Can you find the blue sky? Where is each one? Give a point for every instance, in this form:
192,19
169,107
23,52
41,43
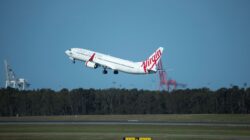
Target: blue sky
207,42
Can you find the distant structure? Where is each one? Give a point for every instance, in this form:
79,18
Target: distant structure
12,80
162,76
163,79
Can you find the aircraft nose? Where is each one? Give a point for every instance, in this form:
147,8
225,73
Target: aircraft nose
67,52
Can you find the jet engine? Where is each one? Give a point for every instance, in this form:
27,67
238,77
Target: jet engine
91,64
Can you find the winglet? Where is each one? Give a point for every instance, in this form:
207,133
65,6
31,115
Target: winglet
92,57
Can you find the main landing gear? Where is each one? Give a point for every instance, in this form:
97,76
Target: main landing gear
104,71
115,71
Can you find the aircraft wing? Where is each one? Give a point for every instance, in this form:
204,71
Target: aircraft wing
91,59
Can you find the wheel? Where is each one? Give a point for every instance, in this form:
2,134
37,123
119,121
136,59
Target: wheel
104,71
115,71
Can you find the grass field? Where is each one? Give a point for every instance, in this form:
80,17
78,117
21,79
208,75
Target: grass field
117,132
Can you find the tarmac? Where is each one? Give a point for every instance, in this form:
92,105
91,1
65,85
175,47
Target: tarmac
129,122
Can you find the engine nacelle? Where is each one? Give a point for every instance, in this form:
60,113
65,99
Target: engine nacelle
91,64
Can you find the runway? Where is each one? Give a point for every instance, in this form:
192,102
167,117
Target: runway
129,122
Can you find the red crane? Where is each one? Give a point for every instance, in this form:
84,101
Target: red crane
164,81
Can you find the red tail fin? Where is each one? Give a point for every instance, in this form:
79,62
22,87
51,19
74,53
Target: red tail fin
150,64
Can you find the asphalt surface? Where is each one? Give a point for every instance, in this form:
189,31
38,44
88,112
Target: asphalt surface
129,122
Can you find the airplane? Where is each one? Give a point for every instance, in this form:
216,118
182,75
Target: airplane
94,60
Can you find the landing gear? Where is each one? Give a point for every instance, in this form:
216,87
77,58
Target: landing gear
115,71
104,71
73,60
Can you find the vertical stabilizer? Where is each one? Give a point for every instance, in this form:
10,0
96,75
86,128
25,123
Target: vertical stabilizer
150,64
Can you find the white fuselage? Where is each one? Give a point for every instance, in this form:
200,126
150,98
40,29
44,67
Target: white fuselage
107,61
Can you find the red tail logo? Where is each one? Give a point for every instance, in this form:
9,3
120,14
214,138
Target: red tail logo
151,62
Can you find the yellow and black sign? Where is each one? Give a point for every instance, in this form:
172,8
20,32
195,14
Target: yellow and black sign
137,138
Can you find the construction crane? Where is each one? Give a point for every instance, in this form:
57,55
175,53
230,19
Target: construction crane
11,79
164,81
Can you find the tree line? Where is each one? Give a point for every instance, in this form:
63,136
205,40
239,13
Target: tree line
123,101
